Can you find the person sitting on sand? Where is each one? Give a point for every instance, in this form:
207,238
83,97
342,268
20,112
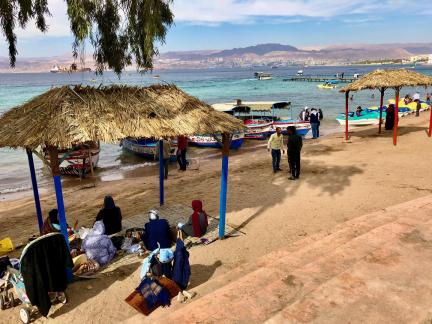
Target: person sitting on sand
156,231
51,223
198,221
111,216
97,245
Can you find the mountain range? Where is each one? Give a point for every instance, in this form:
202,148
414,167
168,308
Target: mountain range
261,54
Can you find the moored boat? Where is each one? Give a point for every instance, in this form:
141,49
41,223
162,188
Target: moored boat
79,160
302,127
366,119
257,129
146,148
263,76
215,141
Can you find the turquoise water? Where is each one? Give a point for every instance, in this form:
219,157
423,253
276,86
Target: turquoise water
209,85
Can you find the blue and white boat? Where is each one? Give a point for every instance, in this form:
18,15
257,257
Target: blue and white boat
302,127
146,148
215,141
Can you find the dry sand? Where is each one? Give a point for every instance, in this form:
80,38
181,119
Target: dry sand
339,181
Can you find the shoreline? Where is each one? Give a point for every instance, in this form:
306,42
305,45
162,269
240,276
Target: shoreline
139,168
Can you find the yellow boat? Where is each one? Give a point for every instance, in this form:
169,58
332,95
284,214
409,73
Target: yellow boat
6,246
326,86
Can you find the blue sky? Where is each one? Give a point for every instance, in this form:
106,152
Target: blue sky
220,24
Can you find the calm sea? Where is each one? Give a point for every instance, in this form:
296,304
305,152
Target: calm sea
211,85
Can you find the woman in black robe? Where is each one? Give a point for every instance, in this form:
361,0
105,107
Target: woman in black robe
111,216
389,121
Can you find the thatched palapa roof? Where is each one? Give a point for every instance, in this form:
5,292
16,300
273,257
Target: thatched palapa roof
66,115
389,79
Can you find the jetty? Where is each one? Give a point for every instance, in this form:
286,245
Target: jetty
320,78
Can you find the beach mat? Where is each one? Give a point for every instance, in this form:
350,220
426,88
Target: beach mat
178,213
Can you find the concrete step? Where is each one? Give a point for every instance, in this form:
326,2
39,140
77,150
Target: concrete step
266,289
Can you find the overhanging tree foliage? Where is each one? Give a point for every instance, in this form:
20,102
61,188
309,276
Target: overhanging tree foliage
120,31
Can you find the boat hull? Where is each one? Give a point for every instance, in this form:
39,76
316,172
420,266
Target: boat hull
302,128
211,142
258,131
146,148
77,162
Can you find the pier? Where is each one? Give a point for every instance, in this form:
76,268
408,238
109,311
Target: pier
320,78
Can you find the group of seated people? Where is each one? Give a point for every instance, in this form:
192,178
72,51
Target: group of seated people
97,244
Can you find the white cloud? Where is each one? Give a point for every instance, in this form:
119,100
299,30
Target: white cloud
245,11
215,12
58,23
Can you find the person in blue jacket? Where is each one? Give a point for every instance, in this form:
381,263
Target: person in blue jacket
156,231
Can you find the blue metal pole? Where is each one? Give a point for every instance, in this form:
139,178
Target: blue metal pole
35,189
55,169
223,196
161,174
224,184
61,208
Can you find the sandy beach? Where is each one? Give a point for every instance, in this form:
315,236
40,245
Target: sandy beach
339,181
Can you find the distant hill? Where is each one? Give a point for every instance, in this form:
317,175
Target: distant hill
261,54
261,49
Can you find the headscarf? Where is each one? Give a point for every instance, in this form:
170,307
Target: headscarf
197,207
109,203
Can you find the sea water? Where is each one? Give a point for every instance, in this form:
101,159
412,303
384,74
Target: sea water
210,85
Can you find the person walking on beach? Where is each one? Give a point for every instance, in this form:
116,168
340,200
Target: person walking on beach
275,145
166,154
418,107
294,146
182,143
315,122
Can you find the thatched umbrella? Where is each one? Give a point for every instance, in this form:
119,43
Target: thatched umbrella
66,115
382,80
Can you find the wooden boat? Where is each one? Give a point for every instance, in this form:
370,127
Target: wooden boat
263,76
215,142
78,161
302,127
146,148
258,129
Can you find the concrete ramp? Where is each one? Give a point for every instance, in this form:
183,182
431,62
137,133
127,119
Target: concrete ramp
376,268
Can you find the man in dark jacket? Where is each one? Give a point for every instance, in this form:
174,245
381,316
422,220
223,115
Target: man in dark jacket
314,122
156,231
294,146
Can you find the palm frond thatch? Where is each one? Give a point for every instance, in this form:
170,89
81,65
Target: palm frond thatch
389,79
66,115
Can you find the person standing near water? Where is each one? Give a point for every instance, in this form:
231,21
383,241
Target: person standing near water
275,145
182,143
294,146
314,121
166,154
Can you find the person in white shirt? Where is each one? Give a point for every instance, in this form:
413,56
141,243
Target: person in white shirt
275,145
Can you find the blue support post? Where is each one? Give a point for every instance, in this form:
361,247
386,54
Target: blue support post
223,196
224,184
61,208
55,170
161,174
35,189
